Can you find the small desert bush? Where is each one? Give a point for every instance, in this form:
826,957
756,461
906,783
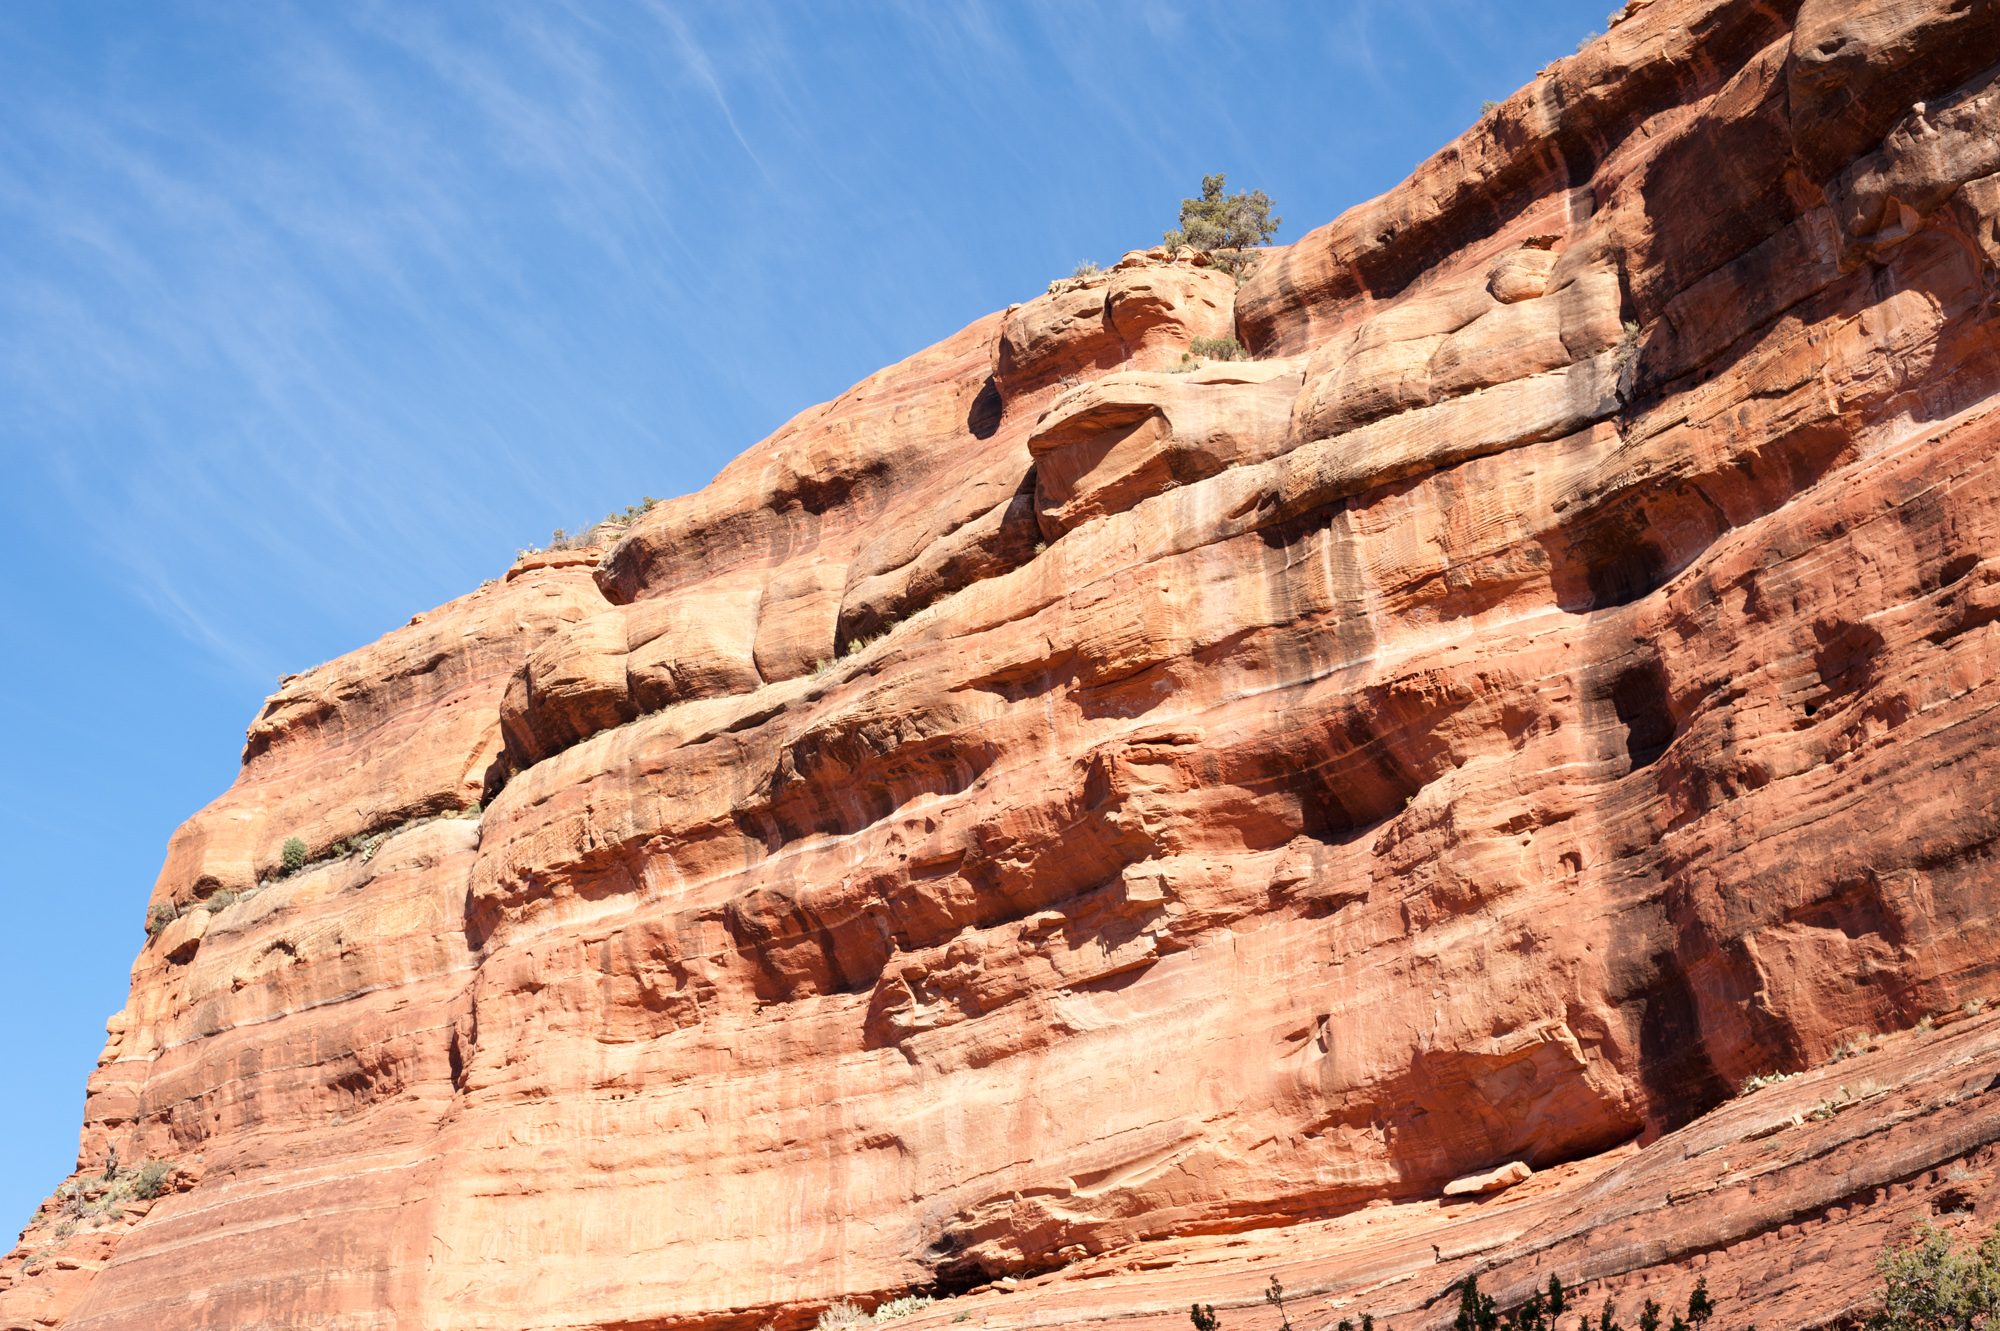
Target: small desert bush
292,856
842,1315
1852,1047
159,917
151,1180
610,525
1218,348
101,1200
845,1314
900,1307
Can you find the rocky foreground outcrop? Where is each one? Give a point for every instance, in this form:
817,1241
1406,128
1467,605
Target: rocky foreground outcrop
1071,828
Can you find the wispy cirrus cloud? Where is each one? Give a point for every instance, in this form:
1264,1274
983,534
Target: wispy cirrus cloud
346,301
220,293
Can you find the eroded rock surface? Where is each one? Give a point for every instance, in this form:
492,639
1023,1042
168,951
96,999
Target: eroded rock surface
1070,819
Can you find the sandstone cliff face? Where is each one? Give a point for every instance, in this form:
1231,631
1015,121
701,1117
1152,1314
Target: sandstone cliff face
1053,815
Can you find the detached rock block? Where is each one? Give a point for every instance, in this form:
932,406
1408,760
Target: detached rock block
1493,1180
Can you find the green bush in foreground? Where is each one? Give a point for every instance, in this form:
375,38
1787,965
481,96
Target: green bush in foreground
1934,1284
293,855
1477,1312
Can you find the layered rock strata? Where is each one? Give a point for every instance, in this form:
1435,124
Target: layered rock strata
1066,811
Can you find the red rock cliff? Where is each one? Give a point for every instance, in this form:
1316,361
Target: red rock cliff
1074,833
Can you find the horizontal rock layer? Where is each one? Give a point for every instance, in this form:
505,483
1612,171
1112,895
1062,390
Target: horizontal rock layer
1068,811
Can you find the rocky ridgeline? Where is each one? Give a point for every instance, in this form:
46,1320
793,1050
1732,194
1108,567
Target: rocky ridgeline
1072,829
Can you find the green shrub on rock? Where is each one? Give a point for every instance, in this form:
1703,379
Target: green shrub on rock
1223,226
159,917
151,1180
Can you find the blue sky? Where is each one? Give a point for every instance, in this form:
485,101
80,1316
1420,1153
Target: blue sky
312,314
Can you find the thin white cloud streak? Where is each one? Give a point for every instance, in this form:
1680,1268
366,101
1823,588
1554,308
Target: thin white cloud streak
573,138
248,269
405,181
696,61
1352,44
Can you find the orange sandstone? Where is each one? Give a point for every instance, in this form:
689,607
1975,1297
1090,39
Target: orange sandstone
1080,836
